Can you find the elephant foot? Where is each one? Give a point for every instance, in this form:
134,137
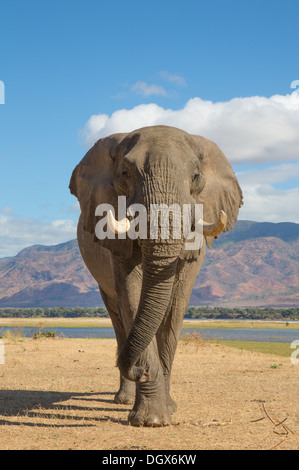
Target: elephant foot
126,393
123,398
150,413
150,409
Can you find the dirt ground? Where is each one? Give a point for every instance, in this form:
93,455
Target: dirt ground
57,393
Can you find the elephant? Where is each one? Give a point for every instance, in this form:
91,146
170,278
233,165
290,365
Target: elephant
146,283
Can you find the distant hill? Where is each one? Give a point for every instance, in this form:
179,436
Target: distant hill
246,230
47,276
262,271
256,264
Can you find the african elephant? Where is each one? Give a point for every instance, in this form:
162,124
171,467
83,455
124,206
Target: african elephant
146,283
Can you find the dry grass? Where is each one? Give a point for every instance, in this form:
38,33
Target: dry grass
58,394
95,322
39,322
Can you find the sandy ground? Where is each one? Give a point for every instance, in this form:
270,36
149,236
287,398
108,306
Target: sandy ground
58,394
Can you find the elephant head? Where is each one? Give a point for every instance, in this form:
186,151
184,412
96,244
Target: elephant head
153,166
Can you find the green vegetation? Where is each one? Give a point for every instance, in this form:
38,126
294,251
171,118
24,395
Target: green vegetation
276,349
207,313
236,313
54,312
44,334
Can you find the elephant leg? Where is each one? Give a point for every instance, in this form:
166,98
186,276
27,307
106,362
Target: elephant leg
127,389
170,329
150,407
99,263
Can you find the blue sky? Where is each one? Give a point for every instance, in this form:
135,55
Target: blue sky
74,71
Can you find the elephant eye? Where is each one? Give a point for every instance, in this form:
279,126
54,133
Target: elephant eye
125,173
198,182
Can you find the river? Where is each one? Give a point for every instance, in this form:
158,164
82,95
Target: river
242,334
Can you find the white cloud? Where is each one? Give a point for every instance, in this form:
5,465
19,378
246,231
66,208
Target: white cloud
18,233
100,125
7,210
264,203
255,129
144,89
172,78
249,130
271,175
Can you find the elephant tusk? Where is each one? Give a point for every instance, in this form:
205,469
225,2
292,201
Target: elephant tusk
123,226
212,230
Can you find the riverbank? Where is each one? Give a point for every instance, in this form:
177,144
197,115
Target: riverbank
106,323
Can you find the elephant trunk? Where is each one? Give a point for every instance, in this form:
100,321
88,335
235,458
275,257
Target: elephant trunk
159,268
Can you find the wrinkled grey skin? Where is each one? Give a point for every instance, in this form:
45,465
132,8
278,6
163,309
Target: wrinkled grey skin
146,284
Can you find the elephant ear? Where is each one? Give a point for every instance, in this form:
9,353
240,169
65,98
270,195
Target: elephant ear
92,184
221,190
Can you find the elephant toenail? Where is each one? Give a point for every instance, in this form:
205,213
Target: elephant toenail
153,421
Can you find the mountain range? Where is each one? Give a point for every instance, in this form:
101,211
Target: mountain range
256,264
